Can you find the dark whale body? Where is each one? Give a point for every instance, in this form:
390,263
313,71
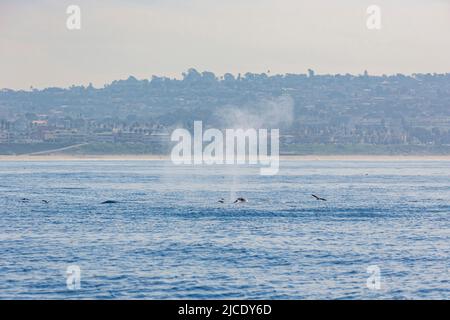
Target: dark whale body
109,202
240,200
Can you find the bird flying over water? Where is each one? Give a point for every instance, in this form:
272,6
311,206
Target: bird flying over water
240,200
222,200
318,198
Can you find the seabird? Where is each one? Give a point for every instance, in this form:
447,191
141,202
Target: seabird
239,200
222,200
318,198
24,200
45,201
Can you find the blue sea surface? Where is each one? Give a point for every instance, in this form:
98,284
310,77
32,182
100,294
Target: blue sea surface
169,238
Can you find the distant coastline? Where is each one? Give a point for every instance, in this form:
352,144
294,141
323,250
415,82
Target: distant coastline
62,157
295,152
327,114
100,150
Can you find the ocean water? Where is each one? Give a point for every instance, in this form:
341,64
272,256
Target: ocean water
169,238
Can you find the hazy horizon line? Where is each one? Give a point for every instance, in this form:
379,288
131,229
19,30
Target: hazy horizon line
219,77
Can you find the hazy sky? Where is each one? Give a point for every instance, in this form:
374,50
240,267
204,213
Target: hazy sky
119,38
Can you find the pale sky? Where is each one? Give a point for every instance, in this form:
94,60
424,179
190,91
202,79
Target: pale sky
142,38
